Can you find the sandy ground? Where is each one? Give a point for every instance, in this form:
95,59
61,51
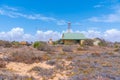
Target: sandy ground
23,69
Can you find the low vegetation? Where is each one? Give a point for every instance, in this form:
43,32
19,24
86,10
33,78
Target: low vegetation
25,55
41,61
42,46
15,44
38,44
67,48
88,42
2,64
5,44
103,43
9,75
46,73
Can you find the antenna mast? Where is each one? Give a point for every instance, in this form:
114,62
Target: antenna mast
69,26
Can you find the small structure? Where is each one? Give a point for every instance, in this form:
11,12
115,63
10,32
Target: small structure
96,41
24,43
73,38
50,42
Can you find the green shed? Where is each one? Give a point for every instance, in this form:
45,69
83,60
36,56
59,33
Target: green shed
73,38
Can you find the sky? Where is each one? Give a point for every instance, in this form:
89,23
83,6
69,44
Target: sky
33,20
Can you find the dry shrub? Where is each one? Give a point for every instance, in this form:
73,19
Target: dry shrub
60,67
116,49
49,48
117,45
88,42
25,56
96,54
45,57
67,49
69,58
80,48
7,75
110,53
15,44
2,64
51,62
42,46
46,73
5,44
103,43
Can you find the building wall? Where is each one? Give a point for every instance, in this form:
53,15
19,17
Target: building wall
73,42
82,42
68,41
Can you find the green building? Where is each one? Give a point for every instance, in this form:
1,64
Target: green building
73,38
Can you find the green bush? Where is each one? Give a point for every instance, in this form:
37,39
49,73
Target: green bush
55,43
15,44
38,44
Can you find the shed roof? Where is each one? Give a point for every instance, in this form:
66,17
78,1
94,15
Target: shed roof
73,36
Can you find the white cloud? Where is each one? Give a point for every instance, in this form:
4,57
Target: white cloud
106,18
45,36
92,34
14,13
18,34
10,8
112,35
109,35
15,34
61,22
112,17
39,17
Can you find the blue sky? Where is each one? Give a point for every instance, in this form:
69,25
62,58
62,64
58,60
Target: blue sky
41,18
